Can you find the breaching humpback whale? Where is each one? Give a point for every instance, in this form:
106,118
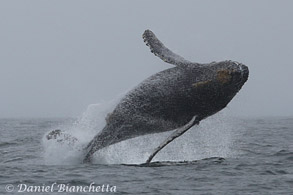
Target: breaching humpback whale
173,99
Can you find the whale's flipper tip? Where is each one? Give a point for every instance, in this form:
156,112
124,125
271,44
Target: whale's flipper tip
159,49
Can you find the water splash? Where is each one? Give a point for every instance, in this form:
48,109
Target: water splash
83,129
213,137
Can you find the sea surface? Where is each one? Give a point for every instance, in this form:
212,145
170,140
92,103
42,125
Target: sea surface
223,155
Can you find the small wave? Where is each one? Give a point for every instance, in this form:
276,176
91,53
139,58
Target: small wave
274,172
3,144
283,153
290,158
13,160
288,155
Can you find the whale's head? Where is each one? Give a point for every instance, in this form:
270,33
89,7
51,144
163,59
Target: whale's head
229,74
215,84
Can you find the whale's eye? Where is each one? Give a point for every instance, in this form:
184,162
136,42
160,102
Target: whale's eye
224,76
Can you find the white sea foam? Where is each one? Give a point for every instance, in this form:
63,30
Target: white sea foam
83,129
213,137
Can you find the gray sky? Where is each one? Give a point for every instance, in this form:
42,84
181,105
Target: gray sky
57,57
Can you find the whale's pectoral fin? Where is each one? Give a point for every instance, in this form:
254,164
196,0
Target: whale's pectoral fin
178,132
159,49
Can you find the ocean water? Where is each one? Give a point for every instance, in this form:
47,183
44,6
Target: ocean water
223,155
